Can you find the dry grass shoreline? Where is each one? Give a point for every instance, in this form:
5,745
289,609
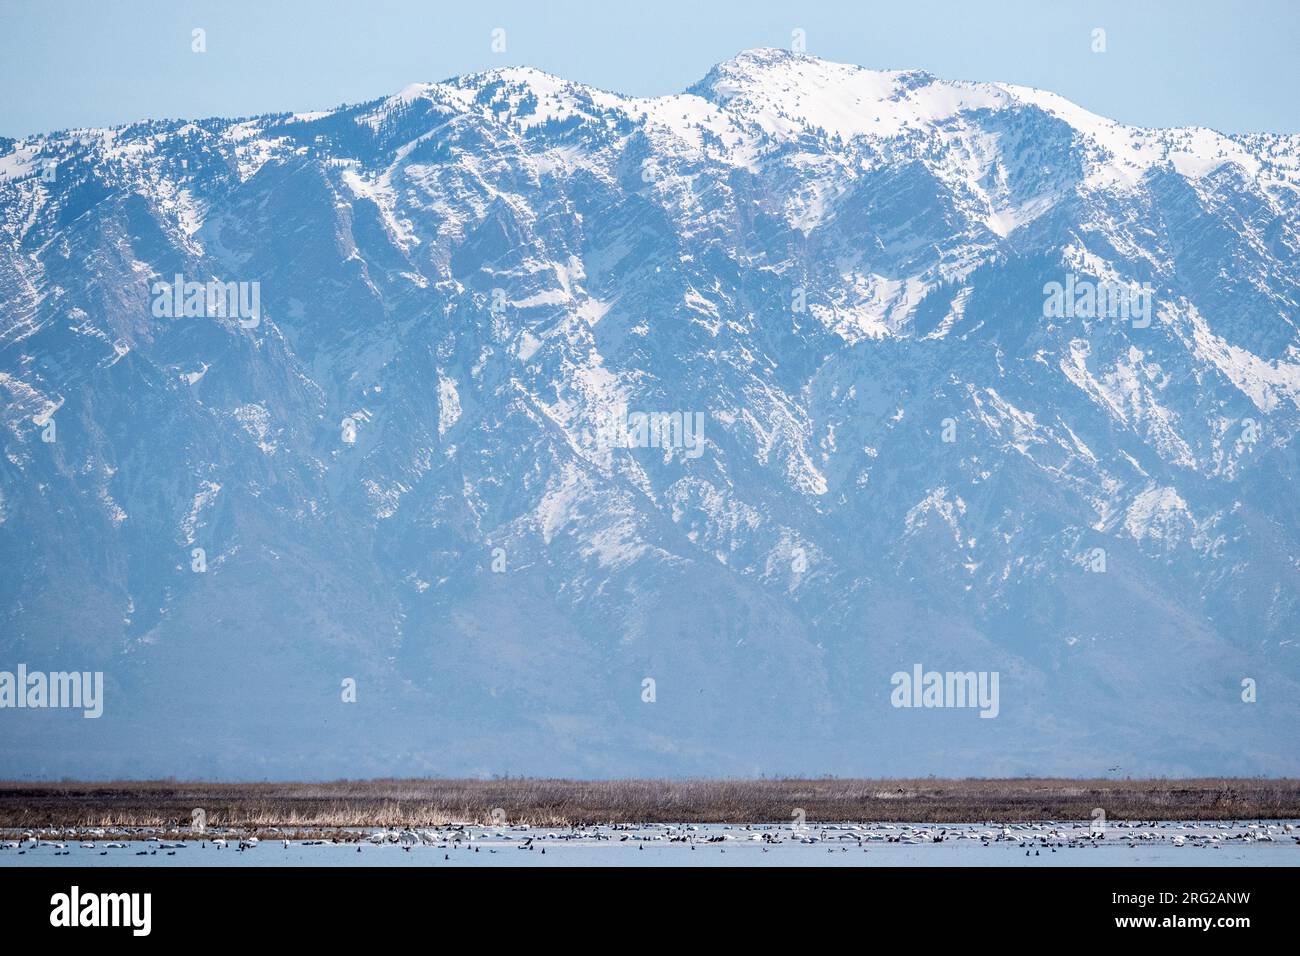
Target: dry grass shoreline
321,807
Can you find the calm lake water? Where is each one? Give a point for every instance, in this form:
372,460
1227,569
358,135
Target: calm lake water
1042,844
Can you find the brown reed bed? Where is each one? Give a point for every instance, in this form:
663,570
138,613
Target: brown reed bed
314,807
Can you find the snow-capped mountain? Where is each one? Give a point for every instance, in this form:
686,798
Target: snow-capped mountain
415,456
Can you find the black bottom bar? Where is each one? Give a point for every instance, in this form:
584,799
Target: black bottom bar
330,905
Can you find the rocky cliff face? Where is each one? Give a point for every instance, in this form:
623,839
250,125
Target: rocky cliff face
763,392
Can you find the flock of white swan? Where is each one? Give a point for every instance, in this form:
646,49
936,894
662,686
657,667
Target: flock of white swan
1035,839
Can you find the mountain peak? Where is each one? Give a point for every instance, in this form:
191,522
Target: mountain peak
401,447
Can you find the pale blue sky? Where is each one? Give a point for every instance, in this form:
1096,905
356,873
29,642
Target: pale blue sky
66,63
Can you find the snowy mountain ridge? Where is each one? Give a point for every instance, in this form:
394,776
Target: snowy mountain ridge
857,437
